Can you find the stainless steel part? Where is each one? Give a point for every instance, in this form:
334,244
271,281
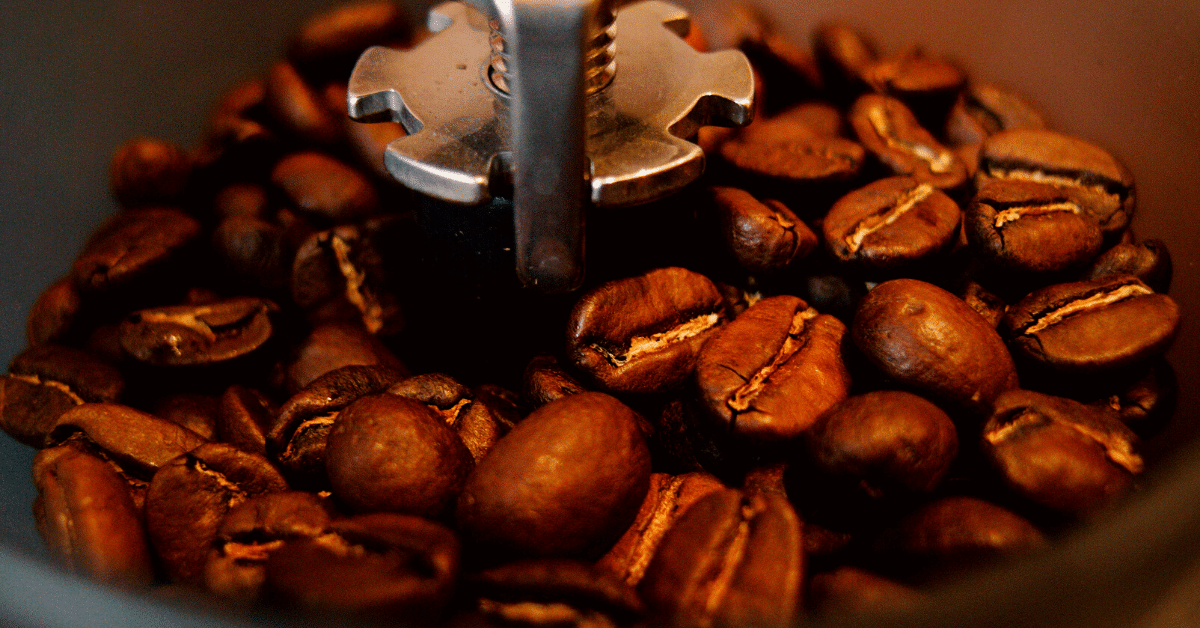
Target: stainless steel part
469,140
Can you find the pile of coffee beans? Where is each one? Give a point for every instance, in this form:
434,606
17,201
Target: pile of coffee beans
899,329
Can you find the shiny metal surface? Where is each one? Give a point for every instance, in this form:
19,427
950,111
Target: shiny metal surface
471,141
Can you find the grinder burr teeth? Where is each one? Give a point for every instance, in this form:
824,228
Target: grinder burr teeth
557,105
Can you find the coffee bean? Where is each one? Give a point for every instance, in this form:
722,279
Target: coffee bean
761,236
236,565
642,334
988,305
88,519
244,416
794,164
1096,327
1059,453
327,45
1148,260
927,339
728,561
325,188
188,335
149,172
1147,404
854,590
545,381
341,269
1103,186
55,315
555,591
197,412
985,109
567,481
331,346
928,85
255,253
45,381
669,497
299,109
473,421
892,225
376,567
892,134
190,496
767,375
1027,228
135,250
844,55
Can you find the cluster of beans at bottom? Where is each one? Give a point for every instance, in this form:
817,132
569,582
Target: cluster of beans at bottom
899,329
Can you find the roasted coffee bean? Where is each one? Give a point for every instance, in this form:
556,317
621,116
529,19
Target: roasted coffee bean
891,225
381,566
244,416
890,132
642,334
1028,228
324,187
728,561
327,45
237,562
1148,260
925,338
474,422
669,497
545,380
331,346
1060,454
788,161
148,172
551,592
683,443
761,236
928,85
985,109
298,437
1095,327
767,375
254,251
988,305
45,381
843,55
817,115
765,479
242,199
88,519
567,481
134,248
883,445
504,404
197,412
1102,185
55,315
954,533
833,294
853,590
298,109
387,453
190,496
1147,404
237,145
187,335
341,269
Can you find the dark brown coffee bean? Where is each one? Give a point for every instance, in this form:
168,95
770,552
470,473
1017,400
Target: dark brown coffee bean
927,339
324,187
955,533
190,496
1102,185
474,422
984,110
251,532
387,453
45,381
817,115
843,55
55,315
331,346
328,44
255,253
1059,453
187,335
642,334
88,519
767,375
297,439
761,236
928,85
298,109
890,132
853,590
1028,228
1098,326
669,497
988,305
545,380
195,411
237,147
382,566
146,172
833,294
728,561
785,159
342,265
766,479
1147,404
1149,261
504,404
244,416
883,445
135,247
242,199
551,592
567,481
891,225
